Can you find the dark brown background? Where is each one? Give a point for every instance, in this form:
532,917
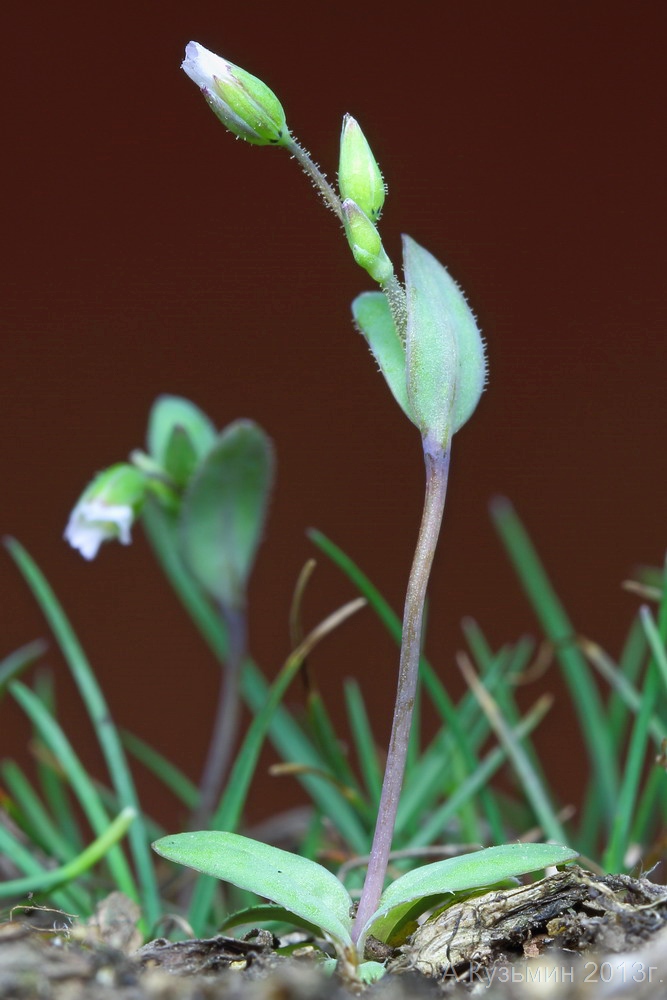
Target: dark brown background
147,251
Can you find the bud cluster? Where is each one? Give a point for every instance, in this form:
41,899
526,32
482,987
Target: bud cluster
424,336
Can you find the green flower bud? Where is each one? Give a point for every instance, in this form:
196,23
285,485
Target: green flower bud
107,509
244,104
365,243
359,176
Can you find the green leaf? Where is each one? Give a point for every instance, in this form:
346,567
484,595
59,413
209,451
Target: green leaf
370,972
372,316
179,435
470,871
180,457
264,913
445,362
299,885
223,511
74,869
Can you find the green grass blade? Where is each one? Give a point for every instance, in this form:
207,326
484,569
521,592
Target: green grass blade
654,683
632,659
49,881
169,775
560,631
12,666
627,693
83,787
365,746
433,829
650,809
532,784
456,717
375,599
293,745
32,816
23,858
656,638
329,746
55,789
56,795
614,855
228,813
101,719
285,734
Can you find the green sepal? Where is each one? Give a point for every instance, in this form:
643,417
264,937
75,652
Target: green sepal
179,435
224,509
254,104
365,243
445,361
372,316
295,883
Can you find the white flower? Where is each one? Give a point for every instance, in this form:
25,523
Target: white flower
94,522
203,66
107,509
244,104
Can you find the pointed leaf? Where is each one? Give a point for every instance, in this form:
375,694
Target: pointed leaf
372,315
445,363
224,508
181,456
299,885
470,871
170,414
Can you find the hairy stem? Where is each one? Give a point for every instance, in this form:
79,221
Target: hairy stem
226,723
392,288
311,169
437,466
395,295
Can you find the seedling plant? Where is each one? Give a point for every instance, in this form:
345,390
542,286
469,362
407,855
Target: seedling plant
202,496
425,340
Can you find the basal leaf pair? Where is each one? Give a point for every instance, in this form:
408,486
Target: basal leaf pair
316,898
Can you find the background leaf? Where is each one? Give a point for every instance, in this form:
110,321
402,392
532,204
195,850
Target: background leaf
174,415
224,510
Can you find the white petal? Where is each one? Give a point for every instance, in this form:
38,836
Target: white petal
92,523
202,65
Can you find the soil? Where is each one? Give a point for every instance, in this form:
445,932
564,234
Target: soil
571,935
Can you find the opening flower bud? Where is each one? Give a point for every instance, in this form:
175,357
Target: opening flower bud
365,243
244,104
107,509
359,176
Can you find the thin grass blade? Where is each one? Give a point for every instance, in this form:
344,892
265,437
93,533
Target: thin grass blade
100,717
53,879
12,666
560,631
